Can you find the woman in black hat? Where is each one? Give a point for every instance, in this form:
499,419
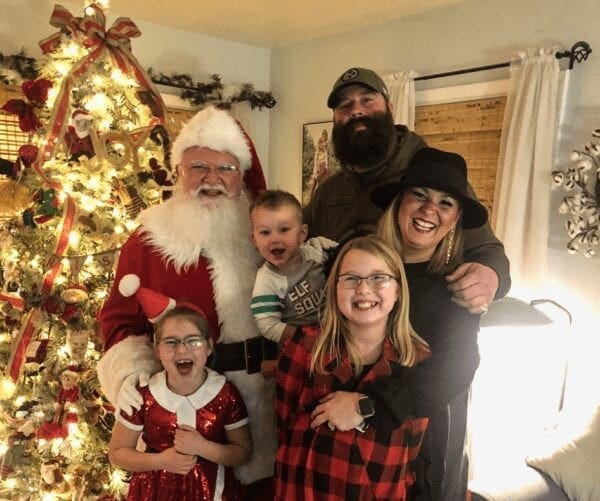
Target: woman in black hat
426,212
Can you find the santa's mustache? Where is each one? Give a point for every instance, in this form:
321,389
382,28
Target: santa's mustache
219,188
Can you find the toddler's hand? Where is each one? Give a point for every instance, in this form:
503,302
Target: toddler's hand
268,368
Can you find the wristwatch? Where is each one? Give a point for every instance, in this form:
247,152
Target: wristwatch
365,407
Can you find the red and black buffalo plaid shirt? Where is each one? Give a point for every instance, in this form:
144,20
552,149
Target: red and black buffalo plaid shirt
322,464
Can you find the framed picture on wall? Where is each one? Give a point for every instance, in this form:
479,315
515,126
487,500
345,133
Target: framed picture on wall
318,159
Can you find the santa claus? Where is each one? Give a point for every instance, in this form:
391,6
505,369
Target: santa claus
196,247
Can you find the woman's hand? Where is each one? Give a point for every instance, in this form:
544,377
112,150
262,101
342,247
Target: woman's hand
339,410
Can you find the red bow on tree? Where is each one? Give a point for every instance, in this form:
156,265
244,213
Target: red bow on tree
36,91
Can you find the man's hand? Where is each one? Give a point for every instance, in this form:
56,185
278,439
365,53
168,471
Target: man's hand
473,286
175,462
339,410
128,397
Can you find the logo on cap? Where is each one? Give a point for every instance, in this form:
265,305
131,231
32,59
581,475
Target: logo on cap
351,74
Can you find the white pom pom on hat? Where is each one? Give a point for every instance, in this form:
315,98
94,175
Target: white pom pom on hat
215,129
154,303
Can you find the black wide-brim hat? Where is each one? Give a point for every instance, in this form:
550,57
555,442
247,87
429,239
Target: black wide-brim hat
441,170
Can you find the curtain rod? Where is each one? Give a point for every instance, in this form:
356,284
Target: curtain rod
579,52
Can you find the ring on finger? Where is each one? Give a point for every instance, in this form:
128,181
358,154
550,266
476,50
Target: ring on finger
331,426
484,308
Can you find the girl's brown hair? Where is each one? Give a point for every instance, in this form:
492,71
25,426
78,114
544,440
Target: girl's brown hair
184,313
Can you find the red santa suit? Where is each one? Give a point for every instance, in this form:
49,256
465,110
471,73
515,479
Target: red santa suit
194,261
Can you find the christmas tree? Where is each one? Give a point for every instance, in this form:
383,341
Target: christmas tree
96,156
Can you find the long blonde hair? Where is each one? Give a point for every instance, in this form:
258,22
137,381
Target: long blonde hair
442,261
334,328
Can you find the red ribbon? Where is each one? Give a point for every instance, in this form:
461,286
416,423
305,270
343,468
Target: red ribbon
14,300
67,23
20,344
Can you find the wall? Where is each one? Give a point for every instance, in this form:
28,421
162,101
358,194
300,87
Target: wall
469,34
24,22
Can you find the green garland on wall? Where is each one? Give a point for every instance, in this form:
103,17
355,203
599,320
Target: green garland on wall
16,68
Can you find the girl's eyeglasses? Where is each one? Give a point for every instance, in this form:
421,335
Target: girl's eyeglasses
190,342
374,281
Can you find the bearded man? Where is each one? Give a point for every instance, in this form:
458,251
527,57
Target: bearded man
196,247
374,152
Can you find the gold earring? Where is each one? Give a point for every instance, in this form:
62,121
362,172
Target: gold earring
450,245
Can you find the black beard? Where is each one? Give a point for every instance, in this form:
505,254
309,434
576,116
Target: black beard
367,147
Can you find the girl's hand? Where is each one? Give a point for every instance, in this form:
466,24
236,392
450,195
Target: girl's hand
188,440
338,409
175,462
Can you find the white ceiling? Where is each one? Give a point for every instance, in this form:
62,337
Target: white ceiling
271,23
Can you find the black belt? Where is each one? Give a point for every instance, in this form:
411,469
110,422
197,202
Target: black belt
244,355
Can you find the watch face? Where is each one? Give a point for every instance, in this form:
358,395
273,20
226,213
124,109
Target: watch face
365,406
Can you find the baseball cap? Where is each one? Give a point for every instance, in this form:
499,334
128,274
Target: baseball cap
357,76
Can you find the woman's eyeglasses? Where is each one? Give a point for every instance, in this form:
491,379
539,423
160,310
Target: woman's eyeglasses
192,343
374,281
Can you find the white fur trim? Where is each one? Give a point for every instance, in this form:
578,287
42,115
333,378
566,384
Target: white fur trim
215,129
259,395
222,235
132,355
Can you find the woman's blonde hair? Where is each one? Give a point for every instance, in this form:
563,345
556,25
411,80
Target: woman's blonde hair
442,261
334,328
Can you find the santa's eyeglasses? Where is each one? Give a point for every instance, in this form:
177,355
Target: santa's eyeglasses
201,169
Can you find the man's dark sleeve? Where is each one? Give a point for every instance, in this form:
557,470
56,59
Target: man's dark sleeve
482,246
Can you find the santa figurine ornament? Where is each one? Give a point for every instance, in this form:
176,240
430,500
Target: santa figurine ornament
78,136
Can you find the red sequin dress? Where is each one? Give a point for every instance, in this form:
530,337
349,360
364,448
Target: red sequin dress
216,407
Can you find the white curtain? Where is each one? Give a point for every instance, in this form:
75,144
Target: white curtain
522,196
401,86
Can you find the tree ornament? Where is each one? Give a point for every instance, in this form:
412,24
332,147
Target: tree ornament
14,197
74,293
77,341
78,137
129,198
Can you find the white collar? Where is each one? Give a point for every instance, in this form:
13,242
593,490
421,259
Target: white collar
170,401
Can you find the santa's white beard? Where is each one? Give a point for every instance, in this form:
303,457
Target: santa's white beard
186,226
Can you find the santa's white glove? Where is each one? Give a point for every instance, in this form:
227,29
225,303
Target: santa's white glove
128,397
321,243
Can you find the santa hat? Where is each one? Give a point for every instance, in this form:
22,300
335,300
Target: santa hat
218,130
80,113
154,304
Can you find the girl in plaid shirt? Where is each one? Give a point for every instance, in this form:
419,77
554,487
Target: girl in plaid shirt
365,333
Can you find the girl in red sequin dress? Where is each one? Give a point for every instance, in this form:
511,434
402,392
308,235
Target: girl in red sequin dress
193,421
